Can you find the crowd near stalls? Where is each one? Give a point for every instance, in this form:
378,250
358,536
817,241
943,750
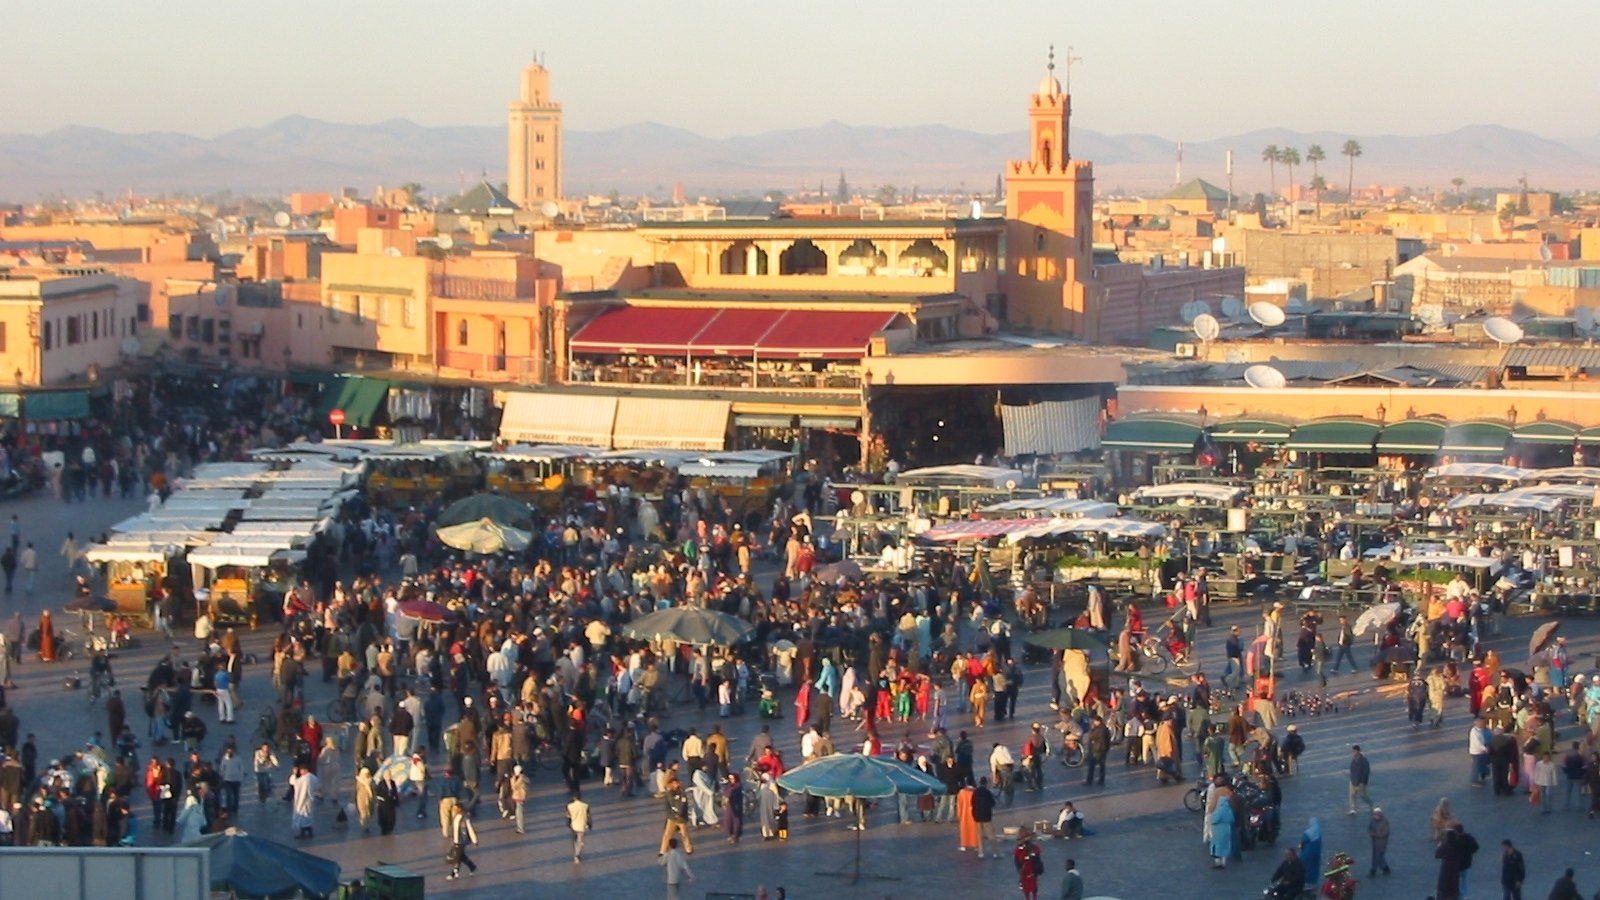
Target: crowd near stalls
482,613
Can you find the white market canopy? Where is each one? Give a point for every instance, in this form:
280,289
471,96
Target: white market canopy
1189,490
1449,560
1477,472
965,475
544,453
1023,529
1579,474
1055,506
1509,500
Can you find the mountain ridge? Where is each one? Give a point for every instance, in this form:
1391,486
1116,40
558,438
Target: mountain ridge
298,152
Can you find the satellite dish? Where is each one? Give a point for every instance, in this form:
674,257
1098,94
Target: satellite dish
1263,377
1201,307
1232,307
1266,314
1187,313
1585,317
1502,330
393,251
1206,327
1169,210
1449,249
444,242
281,219
1544,252
130,345
549,209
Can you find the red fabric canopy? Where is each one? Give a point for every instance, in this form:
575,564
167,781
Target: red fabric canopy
735,332
823,334
642,329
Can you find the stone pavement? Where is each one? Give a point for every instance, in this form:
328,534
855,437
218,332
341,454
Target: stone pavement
1145,844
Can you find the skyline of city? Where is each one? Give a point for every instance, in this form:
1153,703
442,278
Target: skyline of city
1307,69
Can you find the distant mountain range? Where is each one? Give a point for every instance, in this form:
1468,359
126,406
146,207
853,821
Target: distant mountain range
299,153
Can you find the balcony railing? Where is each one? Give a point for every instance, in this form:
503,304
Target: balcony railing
726,379
512,368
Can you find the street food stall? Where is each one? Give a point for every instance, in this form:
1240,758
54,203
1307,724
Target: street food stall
406,474
541,475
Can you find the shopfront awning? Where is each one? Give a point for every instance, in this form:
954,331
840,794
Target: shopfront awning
1251,431
635,330
1549,431
1476,438
1412,436
1051,426
1335,436
672,424
542,418
1151,435
53,405
823,334
359,397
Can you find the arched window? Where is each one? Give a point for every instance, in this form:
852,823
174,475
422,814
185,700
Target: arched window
743,258
924,257
862,258
803,258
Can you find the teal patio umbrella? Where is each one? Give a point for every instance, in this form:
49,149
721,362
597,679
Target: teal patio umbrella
855,776
497,508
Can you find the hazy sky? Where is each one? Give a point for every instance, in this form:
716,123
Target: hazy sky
723,67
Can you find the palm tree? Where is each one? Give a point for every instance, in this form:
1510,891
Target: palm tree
1270,157
1290,157
1315,155
1458,183
1318,185
1350,150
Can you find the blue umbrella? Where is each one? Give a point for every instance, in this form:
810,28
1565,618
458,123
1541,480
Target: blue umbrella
855,776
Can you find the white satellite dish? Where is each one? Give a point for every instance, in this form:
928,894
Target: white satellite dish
1263,377
1206,327
1502,330
549,209
1476,238
1585,318
1187,313
393,251
1232,307
444,242
1544,252
281,219
130,346
1266,314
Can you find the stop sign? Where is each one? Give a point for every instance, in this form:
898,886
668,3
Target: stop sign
335,417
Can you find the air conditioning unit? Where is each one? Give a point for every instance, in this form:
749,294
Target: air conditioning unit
1185,351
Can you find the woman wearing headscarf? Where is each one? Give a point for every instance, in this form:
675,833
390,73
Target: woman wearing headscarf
767,803
704,794
1221,821
733,808
1311,851
192,821
1441,820
365,798
302,794
47,638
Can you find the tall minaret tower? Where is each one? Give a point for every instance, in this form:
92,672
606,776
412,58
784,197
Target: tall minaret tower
1049,222
533,158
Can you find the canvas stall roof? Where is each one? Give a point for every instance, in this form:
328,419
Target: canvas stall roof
1055,506
1476,472
961,474
1213,493
1509,500
1449,559
542,453
1151,434
1583,474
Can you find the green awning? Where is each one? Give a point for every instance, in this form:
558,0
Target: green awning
1476,438
10,405
1412,436
46,407
1148,435
1335,436
1590,437
366,398
1549,431
358,397
1251,431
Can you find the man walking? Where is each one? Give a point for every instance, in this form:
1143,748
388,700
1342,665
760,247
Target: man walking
1097,745
1378,831
1478,738
579,821
1072,882
1346,639
983,815
1512,870
677,825
1360,774
1234,649
30,567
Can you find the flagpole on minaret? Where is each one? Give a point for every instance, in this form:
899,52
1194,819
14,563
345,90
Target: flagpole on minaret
1178,172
